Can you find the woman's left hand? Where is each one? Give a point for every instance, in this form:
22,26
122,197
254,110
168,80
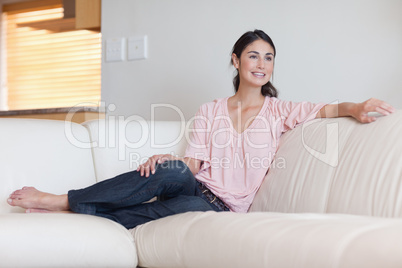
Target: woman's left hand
148,167
360,110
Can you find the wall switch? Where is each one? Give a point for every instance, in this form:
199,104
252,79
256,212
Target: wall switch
137,48
115,49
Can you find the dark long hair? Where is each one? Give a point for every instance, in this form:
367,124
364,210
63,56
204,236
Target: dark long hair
246,39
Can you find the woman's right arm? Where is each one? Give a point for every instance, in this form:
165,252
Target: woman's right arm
149,166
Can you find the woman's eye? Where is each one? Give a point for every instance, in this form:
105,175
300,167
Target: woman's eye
253,57
268,58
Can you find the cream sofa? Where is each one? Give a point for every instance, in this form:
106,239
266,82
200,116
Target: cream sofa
332,198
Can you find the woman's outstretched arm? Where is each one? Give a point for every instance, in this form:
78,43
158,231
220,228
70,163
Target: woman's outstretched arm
359,111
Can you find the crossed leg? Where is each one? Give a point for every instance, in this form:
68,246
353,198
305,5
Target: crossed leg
122,198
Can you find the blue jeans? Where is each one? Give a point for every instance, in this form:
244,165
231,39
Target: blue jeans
122,198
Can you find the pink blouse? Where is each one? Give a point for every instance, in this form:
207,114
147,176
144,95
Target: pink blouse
235,164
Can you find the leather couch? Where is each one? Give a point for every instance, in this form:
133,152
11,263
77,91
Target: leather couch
332,198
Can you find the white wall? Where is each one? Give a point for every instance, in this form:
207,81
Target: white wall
346,50
327,50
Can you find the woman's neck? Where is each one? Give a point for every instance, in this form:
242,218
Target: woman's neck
248,96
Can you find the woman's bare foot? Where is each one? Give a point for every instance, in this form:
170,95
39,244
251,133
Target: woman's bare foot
31,198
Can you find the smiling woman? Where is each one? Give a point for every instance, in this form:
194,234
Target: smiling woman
233,143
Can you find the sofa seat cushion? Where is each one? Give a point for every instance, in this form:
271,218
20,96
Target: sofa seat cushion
64,240
264,239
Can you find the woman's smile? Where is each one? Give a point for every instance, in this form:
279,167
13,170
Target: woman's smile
258,74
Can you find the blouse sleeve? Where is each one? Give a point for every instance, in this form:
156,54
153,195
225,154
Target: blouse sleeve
198,139
295,113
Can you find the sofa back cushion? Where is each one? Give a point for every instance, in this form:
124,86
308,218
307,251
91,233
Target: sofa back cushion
52,156
121,145
337,166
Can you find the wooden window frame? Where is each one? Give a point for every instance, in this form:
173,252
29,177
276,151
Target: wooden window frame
28,7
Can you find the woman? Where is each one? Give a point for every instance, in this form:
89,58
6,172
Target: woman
233,142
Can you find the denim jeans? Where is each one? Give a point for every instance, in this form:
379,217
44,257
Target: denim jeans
122,198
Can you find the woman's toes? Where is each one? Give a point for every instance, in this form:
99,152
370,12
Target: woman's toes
13,201
16,193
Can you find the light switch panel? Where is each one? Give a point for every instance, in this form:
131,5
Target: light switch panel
115,49
137,48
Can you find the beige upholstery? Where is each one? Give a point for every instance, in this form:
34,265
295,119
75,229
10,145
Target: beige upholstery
324,172
120,146
64,240
365,179
47,154
261,239
55,157
327,166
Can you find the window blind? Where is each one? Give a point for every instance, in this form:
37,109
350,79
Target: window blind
49,64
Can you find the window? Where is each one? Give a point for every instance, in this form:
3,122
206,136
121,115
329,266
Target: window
48,62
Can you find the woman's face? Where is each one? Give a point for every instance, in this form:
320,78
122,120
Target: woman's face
256,64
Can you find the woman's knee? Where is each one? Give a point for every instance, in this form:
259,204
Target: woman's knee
173,178
177,169
173,165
